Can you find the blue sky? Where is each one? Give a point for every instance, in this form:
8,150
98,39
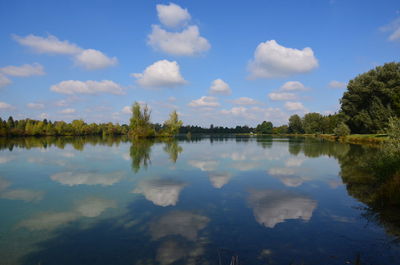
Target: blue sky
223,62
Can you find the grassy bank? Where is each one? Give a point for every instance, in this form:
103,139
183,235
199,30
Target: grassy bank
371,139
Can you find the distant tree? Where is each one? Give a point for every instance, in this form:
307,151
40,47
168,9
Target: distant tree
295,124
265,127
173,124
312,123
371,98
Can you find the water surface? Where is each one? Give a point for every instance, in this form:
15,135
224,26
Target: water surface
190,201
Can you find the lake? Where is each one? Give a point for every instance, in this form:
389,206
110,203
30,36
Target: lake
191,201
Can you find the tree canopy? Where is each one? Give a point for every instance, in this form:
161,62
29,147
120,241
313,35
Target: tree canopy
371,98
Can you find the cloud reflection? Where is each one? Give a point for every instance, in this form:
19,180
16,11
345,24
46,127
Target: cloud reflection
218,180
271,207
90,207
204,165
185,224
162,192
70,178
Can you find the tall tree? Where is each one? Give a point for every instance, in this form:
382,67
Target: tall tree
140,125
371,98
295,124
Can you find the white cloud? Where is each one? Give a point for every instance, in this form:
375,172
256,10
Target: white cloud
44,116
6,106
293,106
172,15
35,105
272,60
186,43
282,96
127,110
93,59
51,44
219,86
238,111
162,192
204,101
245,101
67,111
89,59
162,73
337,84
87,87
293,86
4,81
394,28
23,70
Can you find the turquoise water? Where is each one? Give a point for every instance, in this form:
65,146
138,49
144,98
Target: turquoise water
190,201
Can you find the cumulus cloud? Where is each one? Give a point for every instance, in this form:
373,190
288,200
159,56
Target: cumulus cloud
93,59
51,44
162,192
204,101
239,111
89,59
185,43
23,70
67,111
293,86
173,251
127,110
172,15
185,224
6,106
160,74
71,87
218,180
276,96
35,105
90,208
271,207
272,60
295,106
394,29
245,101
88,178
337,84
294,161
219,86
4,81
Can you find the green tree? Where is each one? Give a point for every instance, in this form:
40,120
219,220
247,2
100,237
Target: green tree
140,125
295,124
313,123
173,124
265,127
371,98
342,130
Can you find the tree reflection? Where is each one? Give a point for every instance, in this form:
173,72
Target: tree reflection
371,175
140,153
173,149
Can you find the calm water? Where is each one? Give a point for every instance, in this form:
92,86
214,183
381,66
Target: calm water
112,201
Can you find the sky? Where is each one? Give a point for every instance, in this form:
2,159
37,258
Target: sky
225,63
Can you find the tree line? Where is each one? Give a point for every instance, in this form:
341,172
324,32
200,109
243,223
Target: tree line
371,101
